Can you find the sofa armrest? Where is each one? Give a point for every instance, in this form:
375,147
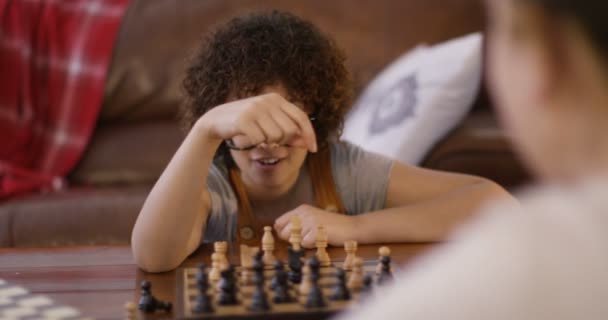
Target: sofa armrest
480,147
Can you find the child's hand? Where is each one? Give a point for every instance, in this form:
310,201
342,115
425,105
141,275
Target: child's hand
339,227
267,118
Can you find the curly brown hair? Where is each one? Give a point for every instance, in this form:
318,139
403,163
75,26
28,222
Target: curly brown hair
269,48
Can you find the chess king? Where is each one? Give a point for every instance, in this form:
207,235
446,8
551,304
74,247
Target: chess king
266,98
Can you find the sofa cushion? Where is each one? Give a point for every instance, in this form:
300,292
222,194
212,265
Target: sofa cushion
417,99
479,146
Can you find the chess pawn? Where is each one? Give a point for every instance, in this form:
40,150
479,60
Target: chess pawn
350,247
268,248
148,303
227,287
247,254
315,298
259,300
202,302
295,233
221,248
306,283
130,311
214,273
355,282
321,244
382,252
340,292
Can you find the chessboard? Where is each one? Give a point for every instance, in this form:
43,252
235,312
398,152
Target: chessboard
17,303
187,292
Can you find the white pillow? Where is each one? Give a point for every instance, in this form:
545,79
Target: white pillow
417,99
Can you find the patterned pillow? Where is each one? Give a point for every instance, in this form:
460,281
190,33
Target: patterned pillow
417,99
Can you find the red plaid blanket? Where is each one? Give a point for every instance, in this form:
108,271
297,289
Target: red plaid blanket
54,55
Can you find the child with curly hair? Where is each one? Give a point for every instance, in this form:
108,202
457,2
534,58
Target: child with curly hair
267,96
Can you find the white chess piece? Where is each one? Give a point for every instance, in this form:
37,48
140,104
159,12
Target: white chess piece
130,311
355,282
295,233
321,244
350,247
306,283
268,248
214,273
247,263
221,248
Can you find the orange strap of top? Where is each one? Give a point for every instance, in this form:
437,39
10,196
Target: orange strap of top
324,188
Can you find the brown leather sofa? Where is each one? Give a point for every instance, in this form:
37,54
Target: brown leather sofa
138,131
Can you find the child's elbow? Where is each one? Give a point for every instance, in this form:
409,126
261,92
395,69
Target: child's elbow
493,192
150,263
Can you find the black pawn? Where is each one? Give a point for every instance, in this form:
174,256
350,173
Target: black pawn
279,285
315,296
368,282
148,303
341,292
227,287
202,303
385,273
295,265
259,300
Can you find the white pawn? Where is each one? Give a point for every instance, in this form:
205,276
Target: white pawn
221,248
130,311
321,244
214,273
382,252
295,233
268,248
350,247
355,282
306,283
247,253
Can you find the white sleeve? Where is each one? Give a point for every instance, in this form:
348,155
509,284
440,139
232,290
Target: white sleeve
548,261
475,277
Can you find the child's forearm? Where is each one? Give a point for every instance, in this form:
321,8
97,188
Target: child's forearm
429,220
172,217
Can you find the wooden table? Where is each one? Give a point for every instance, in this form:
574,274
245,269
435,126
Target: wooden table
100,280
96,280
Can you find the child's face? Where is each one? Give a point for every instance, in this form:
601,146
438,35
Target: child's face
260,175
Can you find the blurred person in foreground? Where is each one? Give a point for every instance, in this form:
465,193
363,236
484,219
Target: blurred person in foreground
548,259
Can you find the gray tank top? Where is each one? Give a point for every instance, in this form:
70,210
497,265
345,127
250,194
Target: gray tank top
361,178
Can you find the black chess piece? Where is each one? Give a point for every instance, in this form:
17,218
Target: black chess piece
259,300
227,287
385,273
368,286
315,297
148,303
295,265
340,292
280,285
279,269
202,303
